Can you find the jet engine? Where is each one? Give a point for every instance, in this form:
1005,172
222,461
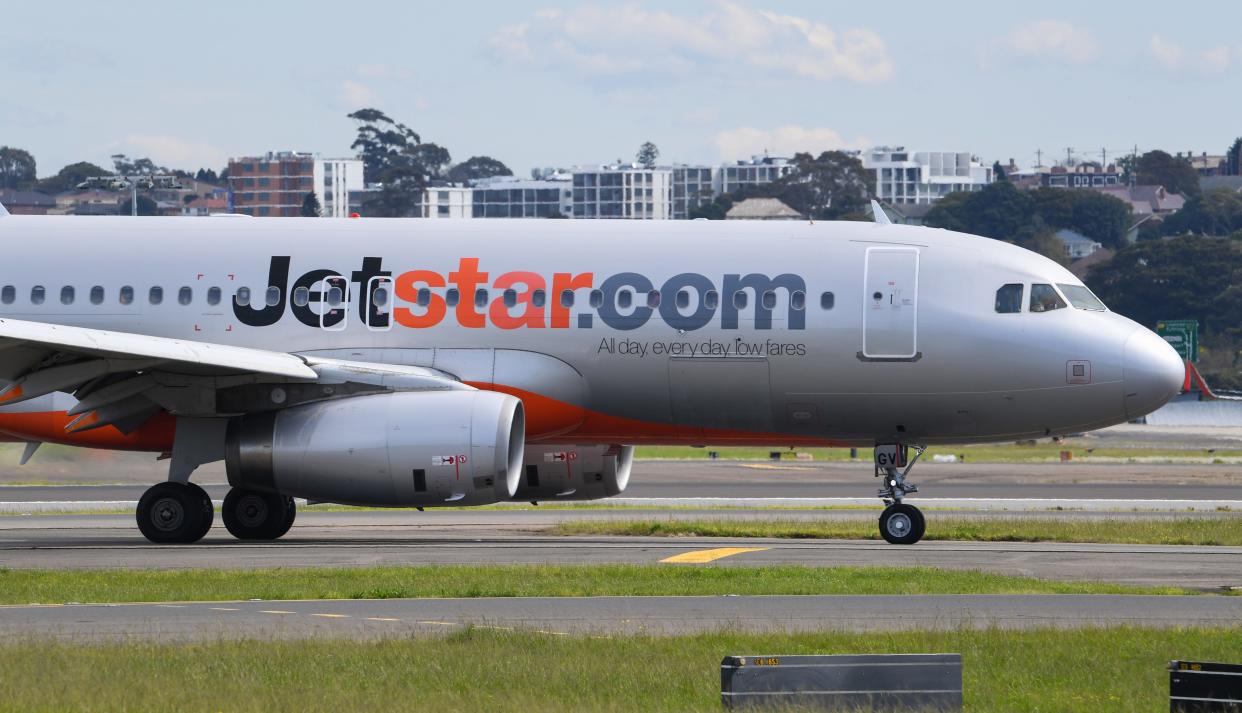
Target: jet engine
397,449
553,472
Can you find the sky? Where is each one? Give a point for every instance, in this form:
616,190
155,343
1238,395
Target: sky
564,83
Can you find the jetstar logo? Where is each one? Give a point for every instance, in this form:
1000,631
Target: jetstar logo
471,297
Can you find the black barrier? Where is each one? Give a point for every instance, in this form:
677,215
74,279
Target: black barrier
887,682
1204,687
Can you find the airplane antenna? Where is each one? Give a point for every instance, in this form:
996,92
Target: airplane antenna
3,212
878,214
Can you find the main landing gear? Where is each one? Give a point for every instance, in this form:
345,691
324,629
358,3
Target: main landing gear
900,524
182,513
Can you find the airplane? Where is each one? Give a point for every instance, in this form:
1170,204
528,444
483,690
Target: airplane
423,363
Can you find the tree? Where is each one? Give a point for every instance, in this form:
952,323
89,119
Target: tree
1180,278
1233,159
137,167
647,155
477,167
998,172
1004,212
1157,168
310,206
380,141
17,169
830,186
1046,243
433,159
387,150
68,178
207,175
1217,212
1103,218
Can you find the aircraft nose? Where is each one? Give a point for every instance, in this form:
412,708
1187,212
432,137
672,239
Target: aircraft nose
1153,373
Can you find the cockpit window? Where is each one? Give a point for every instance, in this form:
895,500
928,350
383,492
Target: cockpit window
1081,297
1045,299
1009,298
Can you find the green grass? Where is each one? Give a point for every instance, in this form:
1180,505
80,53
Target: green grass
1039,452
1087,671
1225,530
20,586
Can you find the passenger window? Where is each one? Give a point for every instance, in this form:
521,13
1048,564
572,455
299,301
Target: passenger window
739,299
480,298
380,297
301,296
335,297
538,298
711,299
510,298
126,295
1045,299
567,298
1009,298
797,300
827,300
423,298
769,299
66,295
653,299
185,295
243,296
596,298
451,297
272,296
683,299
625,298
97,295
37,294
156,295
213,295
8,294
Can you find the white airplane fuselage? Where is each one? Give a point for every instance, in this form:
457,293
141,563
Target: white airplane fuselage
765,333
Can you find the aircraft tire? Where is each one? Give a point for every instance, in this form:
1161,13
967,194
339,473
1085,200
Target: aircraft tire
902,524
174,513
253,515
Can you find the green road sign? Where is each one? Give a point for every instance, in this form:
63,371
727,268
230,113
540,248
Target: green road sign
1183,334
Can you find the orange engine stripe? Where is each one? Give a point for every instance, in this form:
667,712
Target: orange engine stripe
547,420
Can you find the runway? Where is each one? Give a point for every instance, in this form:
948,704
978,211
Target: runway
603,616
351,539
788,479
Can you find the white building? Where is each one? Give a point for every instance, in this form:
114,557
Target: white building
623,191
446,202
922,177
334,179
757,171
508,197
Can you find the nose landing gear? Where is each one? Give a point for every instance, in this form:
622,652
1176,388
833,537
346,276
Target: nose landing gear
900,524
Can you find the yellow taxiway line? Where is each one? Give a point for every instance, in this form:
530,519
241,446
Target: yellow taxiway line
704,556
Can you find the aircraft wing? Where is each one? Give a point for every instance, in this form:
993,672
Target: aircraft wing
121,379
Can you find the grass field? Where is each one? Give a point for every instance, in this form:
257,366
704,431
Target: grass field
1224,530
18,586
1039,452
1115,670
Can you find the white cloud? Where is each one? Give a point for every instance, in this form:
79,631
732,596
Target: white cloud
621,40
170,151
1170,55
355,94
1055,39
781,141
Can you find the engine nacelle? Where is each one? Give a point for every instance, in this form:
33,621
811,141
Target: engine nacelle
574,472
394,449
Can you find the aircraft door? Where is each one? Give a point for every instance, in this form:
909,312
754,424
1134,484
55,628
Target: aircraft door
890,303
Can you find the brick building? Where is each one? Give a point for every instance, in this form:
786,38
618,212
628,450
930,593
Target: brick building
273,185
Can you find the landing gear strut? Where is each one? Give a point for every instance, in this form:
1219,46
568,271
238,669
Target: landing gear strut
175,513
254,515
900,524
